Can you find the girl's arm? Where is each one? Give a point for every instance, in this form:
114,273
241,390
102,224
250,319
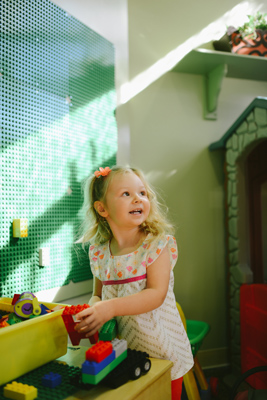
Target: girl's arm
158,276
97,292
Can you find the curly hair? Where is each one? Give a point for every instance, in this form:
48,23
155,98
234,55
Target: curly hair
95,229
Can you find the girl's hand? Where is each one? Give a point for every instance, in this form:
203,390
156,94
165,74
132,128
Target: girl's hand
93,318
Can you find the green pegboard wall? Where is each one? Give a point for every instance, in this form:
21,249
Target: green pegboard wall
57,126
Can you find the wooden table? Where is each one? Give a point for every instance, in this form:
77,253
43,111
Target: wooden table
156,384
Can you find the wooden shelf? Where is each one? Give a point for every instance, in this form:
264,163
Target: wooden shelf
214,66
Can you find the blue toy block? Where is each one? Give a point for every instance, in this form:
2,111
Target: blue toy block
51,380
93,367
44,309
95,379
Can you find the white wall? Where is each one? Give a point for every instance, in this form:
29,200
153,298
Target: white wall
161,113
170,139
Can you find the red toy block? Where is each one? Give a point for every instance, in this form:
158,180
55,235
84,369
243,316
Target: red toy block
15,299
73,310
3,323
99,351
68,318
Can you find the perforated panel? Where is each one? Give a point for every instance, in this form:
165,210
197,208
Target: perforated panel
57,126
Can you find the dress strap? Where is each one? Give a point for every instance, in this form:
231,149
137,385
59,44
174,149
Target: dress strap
122,281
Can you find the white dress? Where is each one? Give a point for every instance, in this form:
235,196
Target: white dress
160,332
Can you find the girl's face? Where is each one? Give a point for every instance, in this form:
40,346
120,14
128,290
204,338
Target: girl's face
126,204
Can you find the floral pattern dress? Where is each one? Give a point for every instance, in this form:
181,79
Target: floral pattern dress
160,332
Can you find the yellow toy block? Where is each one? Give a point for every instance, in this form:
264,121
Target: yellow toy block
20,228
20,391
6,305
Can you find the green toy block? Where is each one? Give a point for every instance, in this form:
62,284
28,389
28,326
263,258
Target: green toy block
13,319
95,379
108,330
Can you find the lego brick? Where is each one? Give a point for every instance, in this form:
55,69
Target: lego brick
108,330
71,377
13,319
93,368
95,379
20,227
3,323
119,346
20,391
99,351
73,310
69,319
44,309
6,306
44,257
15,298
51,380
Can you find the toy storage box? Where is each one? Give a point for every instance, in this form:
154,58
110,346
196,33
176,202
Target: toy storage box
29,344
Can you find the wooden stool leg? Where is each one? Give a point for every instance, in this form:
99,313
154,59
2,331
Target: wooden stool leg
200,375
191,386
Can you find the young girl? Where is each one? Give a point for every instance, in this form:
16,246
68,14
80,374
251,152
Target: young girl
132,255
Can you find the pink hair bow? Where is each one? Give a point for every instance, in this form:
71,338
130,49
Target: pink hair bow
102,172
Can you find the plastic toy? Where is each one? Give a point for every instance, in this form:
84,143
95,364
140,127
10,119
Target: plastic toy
69,319
100,352
117,367
44,257
51,380
22,307
20,391
26,305
136,364
3,323
5,306
13,319
20,228
108,330
71,377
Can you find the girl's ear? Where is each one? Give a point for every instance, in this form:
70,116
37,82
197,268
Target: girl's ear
100,208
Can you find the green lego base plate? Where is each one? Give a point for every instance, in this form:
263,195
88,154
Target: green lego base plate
57,94
34,378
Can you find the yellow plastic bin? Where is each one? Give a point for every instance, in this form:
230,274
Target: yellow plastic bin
29,344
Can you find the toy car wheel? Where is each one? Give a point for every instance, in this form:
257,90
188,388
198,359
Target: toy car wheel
136,373
146,366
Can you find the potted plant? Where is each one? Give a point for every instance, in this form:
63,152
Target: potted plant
250,38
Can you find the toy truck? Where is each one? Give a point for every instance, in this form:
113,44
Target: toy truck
114,364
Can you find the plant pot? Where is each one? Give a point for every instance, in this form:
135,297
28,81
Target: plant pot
253,47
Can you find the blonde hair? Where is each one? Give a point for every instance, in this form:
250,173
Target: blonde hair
95,229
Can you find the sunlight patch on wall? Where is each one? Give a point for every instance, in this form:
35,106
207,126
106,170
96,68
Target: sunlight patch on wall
213,31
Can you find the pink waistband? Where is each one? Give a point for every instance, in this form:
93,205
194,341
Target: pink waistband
122,281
